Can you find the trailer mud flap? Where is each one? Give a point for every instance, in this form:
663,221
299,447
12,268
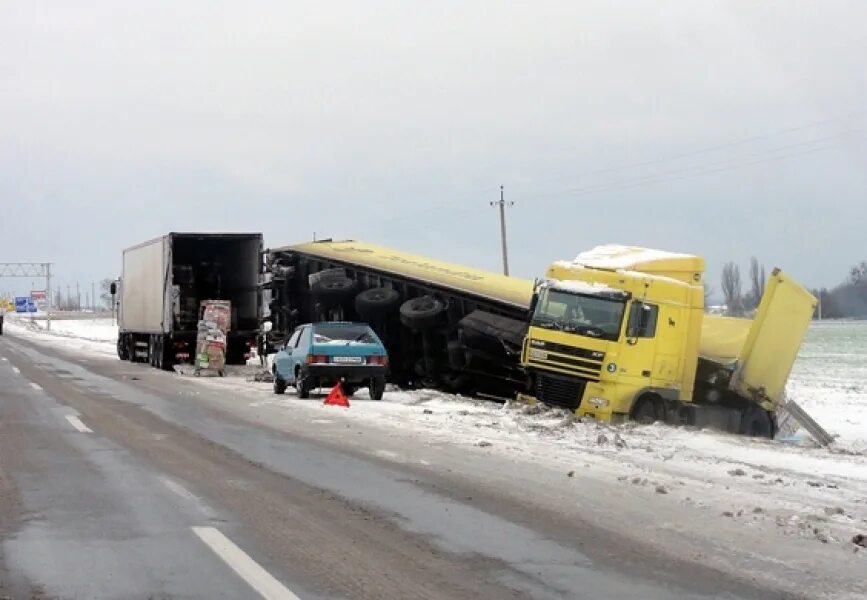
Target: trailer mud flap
774,339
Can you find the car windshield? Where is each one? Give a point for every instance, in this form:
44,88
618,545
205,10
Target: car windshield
341,333
593,316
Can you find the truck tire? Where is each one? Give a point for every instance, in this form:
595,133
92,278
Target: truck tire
333,290
422,313
376,302
122,347
646,410
757,422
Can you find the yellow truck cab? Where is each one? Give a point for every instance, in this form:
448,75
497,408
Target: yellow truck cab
618,333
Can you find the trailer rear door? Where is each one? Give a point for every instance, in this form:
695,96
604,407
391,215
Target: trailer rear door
774,339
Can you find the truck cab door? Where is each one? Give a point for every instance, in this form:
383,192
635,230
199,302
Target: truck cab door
635,357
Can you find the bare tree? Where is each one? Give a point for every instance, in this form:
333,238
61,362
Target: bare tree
731,288
757,281
708,292
858,273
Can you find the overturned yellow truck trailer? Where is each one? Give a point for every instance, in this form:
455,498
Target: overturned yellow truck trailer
619,333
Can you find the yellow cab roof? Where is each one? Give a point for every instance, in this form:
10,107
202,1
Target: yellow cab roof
614,257
485,284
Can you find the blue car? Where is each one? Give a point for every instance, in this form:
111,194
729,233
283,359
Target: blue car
321,354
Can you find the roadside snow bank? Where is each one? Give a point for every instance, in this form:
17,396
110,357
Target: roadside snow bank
94,336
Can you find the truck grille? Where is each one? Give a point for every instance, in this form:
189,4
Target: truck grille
584,363
559,391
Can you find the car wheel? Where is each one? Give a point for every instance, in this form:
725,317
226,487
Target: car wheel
377,302
377,388
279,386
422,313
302,385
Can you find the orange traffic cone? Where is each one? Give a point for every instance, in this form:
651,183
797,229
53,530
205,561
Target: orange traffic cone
336,397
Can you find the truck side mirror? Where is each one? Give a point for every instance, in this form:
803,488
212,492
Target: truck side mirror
533,302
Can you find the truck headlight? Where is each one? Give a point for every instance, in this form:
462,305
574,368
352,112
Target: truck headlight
597,401
612,367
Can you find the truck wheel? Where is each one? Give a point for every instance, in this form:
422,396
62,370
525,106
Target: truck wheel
122,350
756,422
376,302
645,411
422,313
279,386
333,290
377,388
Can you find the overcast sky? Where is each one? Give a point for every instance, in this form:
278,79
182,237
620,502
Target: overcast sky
724,129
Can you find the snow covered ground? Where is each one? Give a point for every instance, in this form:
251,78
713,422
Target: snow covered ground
798,492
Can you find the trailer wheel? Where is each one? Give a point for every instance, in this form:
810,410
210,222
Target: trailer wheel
422,313
333,290
376,302
756,422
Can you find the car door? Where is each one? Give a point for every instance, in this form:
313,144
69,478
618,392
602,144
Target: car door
299,349
284,359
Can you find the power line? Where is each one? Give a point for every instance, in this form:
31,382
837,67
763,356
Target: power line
766,156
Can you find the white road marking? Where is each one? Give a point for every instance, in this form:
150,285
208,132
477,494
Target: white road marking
178,489
36,386
76,422
247,568
17,370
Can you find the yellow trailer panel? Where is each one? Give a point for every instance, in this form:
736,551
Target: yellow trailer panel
485,284
767,357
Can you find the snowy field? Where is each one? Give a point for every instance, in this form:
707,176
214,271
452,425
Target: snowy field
830,380
802,492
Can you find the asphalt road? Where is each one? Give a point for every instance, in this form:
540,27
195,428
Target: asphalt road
116,482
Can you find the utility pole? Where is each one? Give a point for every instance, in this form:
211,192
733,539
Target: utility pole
502,204
68,296
77,296
93,297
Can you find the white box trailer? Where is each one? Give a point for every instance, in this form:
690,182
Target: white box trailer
163,283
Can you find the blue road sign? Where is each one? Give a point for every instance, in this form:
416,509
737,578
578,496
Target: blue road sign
31,305
22,303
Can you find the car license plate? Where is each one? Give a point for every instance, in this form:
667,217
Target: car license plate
348,360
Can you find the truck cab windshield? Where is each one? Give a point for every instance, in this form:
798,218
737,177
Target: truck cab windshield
592,316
